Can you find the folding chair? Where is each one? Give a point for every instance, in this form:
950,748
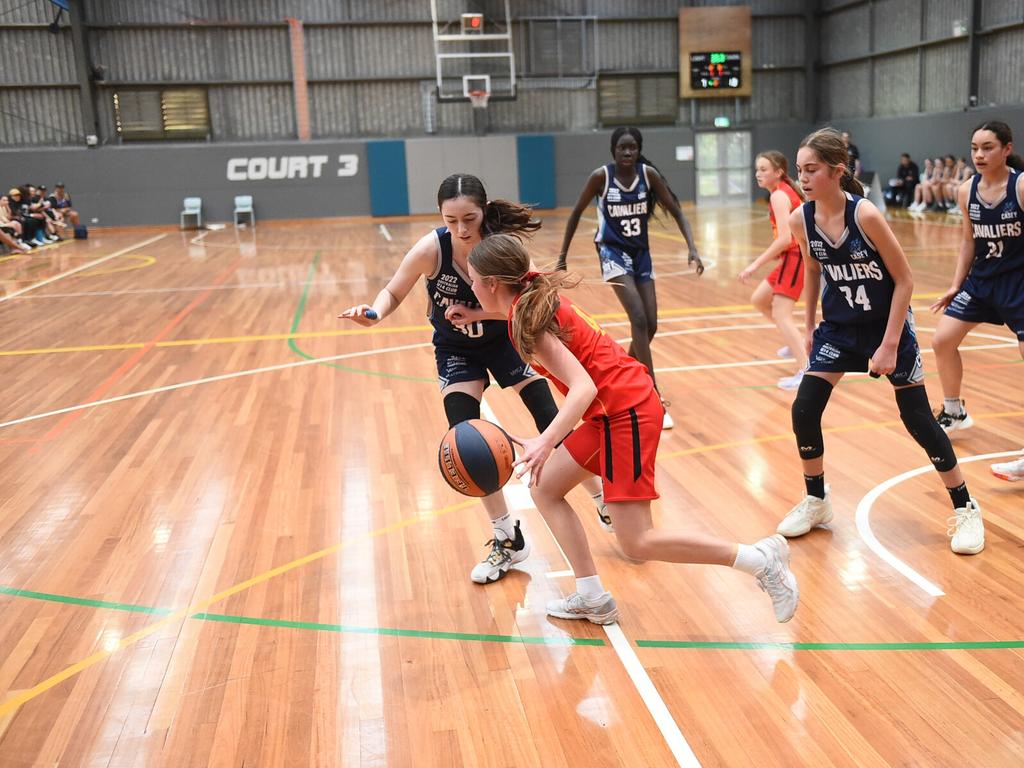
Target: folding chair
193,207
243,206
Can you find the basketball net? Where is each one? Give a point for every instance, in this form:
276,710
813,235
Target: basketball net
479,99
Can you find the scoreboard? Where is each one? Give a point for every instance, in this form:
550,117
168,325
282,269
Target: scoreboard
716,71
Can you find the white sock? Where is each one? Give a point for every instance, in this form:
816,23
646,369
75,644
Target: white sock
749,559
504,527
590,587
952,406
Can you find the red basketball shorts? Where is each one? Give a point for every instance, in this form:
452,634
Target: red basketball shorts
787,279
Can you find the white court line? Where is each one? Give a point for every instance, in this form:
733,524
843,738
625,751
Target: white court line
385,233
641,680
209,380
198,239
92,263
864,520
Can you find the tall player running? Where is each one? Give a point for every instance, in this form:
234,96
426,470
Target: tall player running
866,325
627,192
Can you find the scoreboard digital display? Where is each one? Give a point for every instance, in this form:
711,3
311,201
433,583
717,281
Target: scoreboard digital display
717,70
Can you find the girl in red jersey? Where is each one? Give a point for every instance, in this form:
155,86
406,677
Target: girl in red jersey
778,293
621,411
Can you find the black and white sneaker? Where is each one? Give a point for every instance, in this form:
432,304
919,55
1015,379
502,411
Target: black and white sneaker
951,422
503,555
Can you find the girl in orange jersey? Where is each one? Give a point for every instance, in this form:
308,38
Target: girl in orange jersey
621,411
777,294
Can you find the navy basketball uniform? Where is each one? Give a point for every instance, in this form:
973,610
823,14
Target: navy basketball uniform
855,302
467,353
994,289
621,238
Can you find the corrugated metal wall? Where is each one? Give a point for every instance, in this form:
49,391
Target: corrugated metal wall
371,64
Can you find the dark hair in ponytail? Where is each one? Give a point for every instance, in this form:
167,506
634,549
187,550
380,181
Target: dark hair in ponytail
621,131
829,146
1004,136
499,215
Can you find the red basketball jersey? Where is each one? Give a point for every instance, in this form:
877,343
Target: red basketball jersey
622,381
794,203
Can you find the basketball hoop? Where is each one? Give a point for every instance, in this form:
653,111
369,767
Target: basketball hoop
479,99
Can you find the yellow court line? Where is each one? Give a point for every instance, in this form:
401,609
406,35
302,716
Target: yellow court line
14,702
682,311
147,261
829,430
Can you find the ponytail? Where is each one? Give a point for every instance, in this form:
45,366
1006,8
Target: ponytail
502,216
1016,162
503,258
851,185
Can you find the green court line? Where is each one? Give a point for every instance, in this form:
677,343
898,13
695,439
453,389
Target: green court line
307,625
301,310
755,646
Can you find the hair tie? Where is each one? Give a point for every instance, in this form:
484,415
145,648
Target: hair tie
530,276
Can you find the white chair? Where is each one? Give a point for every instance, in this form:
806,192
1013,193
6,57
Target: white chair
193,207
243,206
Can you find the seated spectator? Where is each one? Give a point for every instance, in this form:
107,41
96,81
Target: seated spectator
32,225
10,230
931,180
919,203
903,184
61,202
961,173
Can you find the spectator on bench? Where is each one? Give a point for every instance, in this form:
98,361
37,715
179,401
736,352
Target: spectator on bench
902,185
61,202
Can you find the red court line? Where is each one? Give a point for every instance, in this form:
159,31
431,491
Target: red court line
132,361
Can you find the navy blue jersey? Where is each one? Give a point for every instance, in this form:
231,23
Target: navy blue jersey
450,285
998,230
622,212
858,287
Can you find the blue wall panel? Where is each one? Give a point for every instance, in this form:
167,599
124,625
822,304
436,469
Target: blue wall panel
389,186
536,170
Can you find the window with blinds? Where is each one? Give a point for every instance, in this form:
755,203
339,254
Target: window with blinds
167,114
640,99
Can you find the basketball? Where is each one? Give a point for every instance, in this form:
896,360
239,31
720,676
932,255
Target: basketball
475,457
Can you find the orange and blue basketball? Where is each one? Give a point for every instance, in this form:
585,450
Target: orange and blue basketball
475,457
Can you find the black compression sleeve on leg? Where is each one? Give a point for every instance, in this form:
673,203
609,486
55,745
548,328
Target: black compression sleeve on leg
809,404
460,407
920,423
538,400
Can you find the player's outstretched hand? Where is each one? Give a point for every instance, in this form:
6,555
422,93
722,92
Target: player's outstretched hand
745,274
535,451
363,314
944,300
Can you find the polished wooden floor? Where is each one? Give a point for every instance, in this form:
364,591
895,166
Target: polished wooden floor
224,539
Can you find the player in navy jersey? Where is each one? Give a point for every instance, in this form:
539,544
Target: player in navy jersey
866,326
627,192
475,346
988,283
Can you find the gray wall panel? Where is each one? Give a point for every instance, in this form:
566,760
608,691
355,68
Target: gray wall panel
42,116
1001,68
995,12
544,110
638,45
940,16
252,112
146,184
945,76
777,96
896,23
778,42
845,34
35,55
491,158
402,50
897,90
845,91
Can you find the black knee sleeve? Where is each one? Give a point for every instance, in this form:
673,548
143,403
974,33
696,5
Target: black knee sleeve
809,404
920,423
538,400
460,407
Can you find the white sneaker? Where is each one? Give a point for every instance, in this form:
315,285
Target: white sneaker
603,517
784,352
1010,470
809,513
666,421
951,422
598,610
776,579
503,555
967,530
791,382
